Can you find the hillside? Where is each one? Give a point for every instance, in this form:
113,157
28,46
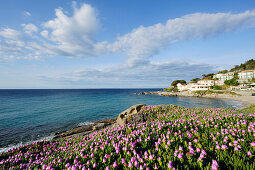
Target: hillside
248,65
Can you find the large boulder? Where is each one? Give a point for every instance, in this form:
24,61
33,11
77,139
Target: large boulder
130,115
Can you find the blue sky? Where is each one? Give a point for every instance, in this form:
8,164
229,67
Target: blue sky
120,44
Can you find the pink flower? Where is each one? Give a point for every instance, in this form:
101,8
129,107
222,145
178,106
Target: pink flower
104,160
224,147
130,165
107,168
217,147
94,165
123,160
180,155
236,149
214,165
151,157
203,152
180,148
115,164
170,164
253,144
249,153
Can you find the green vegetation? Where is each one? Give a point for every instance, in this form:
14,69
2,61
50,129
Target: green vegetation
175,82
175,138
195,80
231,82
208,76
171,89
204,92
217,87
250,109
222,72
248,65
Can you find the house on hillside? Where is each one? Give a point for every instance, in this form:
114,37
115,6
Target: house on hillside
246,76
193,86
219,82
206,82
223,77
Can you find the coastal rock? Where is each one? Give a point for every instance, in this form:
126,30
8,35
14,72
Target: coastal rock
85,130
128,115
98,126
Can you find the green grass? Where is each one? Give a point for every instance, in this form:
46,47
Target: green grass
250,109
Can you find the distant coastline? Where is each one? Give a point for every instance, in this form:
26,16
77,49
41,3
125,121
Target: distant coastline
245,97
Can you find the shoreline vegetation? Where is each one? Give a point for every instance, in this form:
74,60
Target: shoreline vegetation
150,137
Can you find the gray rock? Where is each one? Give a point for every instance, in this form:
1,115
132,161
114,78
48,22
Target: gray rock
98,126
125,116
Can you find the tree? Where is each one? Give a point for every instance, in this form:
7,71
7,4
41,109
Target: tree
175,82
222,72
208,76
231,82
195,80
248,65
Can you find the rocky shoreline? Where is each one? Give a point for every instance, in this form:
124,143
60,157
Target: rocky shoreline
245,97
130,115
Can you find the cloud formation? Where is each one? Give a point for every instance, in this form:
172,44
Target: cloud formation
145,42
147,74
29,28
73,35
9,33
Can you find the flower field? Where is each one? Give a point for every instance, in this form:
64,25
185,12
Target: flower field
176,138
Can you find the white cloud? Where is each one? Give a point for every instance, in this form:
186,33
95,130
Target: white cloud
74,35
45,34
147,41
10,33
26,13
29,28
137,75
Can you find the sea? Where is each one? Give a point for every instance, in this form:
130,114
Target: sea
34,115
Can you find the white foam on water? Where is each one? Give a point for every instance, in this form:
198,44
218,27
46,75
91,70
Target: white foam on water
85,123
46,138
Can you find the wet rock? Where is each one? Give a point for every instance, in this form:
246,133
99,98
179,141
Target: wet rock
85,130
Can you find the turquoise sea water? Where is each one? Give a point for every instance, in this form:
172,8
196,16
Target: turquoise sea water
30,115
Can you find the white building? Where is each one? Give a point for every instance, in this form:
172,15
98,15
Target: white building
219,82
223,77
193,87
246,75
206,82
182,87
